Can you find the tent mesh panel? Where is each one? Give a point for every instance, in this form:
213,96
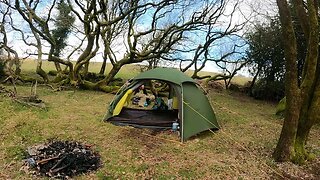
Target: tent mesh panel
140,117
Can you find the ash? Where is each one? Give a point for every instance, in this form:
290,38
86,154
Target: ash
62,159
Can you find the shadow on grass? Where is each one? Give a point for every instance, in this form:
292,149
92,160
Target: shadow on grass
204,135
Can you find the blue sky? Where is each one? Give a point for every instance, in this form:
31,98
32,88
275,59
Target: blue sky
145,21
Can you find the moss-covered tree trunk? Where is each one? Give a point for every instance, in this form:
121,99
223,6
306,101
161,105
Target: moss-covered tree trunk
115,69
308,85
83,60
103,85
14,61
253,82
41,72
58,67
305,125
103,66
285,147
302,103
39,69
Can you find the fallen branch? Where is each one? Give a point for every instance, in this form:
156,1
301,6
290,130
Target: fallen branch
57,164
218,77
3,89
200,77
27,101
59,169
44,161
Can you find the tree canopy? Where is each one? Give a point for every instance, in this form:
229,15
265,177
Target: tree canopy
73,32
266,60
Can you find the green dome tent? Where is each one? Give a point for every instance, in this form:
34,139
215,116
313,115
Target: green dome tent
194,113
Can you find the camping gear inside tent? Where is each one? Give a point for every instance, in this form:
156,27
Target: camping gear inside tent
188,110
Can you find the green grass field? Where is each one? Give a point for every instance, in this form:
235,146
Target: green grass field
127,72
28,67
242,149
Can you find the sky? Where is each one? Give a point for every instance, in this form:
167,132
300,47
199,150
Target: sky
247,9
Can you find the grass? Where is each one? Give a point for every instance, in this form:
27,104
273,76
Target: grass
240,150
127,72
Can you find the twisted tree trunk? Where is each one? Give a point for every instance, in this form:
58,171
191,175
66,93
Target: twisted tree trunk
285,148
302,102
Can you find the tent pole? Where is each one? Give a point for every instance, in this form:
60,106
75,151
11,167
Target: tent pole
182,109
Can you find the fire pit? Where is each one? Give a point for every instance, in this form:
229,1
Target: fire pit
62,159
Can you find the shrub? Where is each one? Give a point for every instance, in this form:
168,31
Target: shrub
53,73
264,90
2,66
